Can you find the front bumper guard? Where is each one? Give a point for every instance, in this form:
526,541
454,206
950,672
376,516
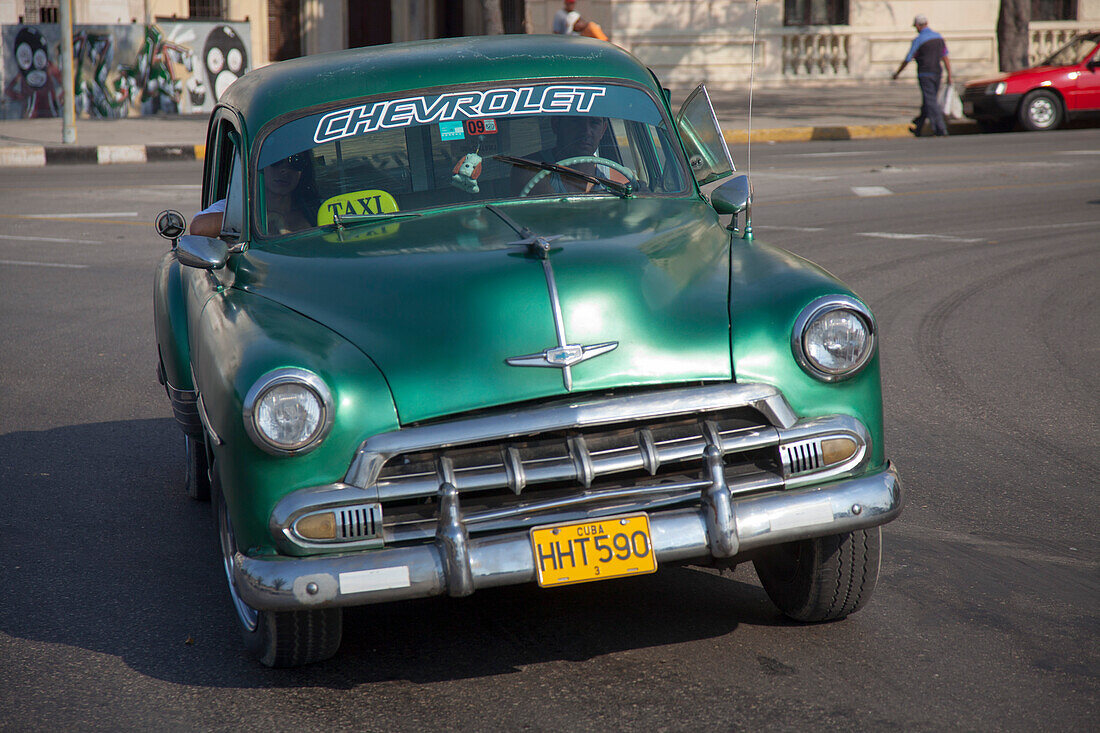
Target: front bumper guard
722,526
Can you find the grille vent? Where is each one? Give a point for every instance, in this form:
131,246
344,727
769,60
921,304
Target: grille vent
802,457
358,522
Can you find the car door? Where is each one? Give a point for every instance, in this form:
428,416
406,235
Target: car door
1086,95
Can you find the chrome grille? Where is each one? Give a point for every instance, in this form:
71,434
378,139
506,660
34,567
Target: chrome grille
523,481
586,458
575,458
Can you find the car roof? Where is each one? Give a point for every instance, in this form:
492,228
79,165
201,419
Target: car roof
271,91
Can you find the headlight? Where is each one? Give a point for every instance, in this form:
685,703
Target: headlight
833,337
288,411
999,87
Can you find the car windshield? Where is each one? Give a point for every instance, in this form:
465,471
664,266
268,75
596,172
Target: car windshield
1072,53
373,159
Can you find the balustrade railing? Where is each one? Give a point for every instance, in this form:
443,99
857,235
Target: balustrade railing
1047,37
816,54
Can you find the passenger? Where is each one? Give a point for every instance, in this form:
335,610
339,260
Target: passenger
288,195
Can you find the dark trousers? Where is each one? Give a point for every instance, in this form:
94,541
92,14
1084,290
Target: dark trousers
930,104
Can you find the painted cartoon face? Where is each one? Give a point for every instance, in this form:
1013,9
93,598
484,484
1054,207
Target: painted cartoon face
31,56
225,58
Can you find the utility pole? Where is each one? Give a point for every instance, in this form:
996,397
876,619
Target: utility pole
68,111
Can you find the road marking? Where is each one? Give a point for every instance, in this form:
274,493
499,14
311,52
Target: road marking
798,176
791,229
95,215
924,192
1067,225
900,235
43,264
829,155
1078,152
49,239
871,191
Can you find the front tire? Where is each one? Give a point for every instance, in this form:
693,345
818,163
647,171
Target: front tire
198,469
277,638
825,578
1041,110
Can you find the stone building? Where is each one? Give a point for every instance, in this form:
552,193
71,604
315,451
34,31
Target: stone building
684,41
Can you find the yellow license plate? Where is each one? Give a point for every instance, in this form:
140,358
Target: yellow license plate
577,552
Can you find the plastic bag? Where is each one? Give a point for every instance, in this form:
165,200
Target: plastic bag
950,103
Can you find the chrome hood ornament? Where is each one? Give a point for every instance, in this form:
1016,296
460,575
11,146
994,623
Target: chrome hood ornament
564,355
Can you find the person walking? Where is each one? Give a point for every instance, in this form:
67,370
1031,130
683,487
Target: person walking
929,49
565,18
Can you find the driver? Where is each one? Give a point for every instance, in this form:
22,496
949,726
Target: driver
574,136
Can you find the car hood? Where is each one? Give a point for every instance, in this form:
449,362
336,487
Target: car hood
440,302
1040,72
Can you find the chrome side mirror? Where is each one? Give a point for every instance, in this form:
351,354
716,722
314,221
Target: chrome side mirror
170,224
204,253
732,197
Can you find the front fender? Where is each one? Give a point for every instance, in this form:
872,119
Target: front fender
769,287
239,338
170,322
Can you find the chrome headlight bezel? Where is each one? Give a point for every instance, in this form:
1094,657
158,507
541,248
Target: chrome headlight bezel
305,379
821,307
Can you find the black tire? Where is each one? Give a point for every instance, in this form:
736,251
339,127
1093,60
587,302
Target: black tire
1041,110
822,579
277,638
198,469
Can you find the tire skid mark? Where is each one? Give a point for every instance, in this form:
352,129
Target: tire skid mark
930,343
1062,300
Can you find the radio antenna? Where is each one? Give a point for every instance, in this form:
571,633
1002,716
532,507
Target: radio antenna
752,78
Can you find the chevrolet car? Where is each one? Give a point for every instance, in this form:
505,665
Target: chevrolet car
482,312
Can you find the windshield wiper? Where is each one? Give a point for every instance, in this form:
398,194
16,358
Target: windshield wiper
340,223
343,221
622,190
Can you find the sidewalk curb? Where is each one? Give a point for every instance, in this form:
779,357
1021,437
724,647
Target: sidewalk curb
29,156
836,132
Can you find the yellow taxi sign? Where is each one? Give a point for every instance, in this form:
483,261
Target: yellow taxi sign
359,203
356,203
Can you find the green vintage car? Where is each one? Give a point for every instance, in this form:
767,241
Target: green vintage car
470,321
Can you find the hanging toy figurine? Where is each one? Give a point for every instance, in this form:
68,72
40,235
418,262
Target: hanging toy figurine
466,172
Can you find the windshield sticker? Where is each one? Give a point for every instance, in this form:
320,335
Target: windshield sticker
481,127
356,203
451,131
558,99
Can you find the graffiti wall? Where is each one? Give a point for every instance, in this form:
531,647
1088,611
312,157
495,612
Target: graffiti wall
171,67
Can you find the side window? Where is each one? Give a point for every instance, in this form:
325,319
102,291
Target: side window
707,152
233,221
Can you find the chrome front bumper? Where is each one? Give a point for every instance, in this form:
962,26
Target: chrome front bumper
721,527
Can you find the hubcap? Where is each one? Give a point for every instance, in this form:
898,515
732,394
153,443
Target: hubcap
1042,112
248,615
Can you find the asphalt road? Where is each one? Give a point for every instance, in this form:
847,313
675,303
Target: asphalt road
981,259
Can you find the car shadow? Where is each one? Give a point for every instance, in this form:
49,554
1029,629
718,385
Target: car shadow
104,552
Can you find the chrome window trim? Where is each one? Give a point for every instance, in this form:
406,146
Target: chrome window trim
289,375
818,307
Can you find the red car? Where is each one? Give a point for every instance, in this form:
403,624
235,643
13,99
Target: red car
1065,84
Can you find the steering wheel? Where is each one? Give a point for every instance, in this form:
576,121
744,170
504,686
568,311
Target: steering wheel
630,175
